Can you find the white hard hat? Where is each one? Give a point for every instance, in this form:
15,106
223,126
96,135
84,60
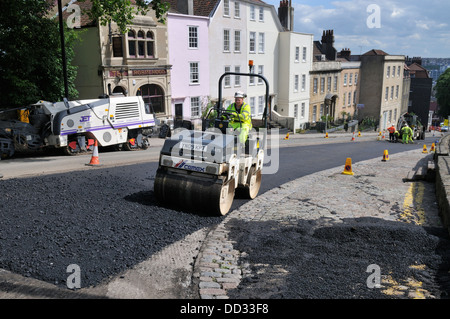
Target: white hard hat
240,94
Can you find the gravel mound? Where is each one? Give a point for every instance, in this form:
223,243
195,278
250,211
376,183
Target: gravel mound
103,220
316,259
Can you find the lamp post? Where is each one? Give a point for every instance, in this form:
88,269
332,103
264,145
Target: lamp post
63,50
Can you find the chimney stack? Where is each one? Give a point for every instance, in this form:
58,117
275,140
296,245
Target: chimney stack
286,14
186,6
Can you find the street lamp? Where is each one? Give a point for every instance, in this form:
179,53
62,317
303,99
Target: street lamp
63,50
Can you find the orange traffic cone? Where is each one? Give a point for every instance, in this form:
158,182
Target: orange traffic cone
94,159
425,149
359,133
287,136
326,135
383,136
385,156
348,167
353,136
432,149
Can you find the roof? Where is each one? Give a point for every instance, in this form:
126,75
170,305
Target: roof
418,71
203,7
375,52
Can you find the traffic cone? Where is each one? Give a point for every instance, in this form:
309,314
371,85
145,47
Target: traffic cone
348,167
353,136
326,135
94,159
359,133
425,149
383,136
287,136
379,137
432,149
385,156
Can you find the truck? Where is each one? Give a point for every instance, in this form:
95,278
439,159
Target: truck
121,122
414,123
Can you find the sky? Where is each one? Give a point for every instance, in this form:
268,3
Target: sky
414,28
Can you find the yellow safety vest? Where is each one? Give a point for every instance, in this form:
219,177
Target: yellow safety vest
244,116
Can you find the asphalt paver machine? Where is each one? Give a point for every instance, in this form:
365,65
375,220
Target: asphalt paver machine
202,170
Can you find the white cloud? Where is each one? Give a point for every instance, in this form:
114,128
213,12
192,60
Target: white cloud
415,26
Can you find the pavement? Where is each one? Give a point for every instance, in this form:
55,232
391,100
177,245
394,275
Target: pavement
381,189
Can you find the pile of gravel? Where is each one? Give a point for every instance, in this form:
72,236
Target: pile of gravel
103,220
317,260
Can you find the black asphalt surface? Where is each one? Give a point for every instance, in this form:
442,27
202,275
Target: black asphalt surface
106,220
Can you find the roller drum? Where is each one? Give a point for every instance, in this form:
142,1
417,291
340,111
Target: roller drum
207,194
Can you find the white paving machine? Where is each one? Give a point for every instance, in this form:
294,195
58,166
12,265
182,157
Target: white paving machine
201,170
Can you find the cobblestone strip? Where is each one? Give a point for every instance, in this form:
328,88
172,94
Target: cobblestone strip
218,267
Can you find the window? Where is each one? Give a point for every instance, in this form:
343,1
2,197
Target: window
193,37
356,78
237,41
227,79
321,110
315,85
260,104
343,100
314,115
252,104
150,45
296,83
252,78
261,43
390,115
349,98
354,97
142,45
395,115
226,8
397,91
131,43
261,14
350,79
335,83
297,54
302,112
345,79
252,12
195,106
329,84
392,92
304,54
388,72
295,110
237,78
237,9
322,85
386,94
303,82
252,42
117,47
193,73
398,71
226,40
260,72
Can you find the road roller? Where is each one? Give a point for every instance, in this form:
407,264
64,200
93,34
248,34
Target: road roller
201,170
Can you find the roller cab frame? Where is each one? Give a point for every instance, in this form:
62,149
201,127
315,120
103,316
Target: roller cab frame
202,170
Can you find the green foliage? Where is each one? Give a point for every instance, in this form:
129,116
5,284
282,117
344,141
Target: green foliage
122,11
443,93
30,54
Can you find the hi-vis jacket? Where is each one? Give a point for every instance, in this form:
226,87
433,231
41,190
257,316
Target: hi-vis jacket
241,121
242,118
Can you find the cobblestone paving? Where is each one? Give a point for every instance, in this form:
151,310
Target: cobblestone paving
377,189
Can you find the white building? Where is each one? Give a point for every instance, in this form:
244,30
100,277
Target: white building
295,64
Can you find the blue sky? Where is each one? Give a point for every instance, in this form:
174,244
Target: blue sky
412,28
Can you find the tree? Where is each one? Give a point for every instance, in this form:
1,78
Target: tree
123,11
443,93
30,54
